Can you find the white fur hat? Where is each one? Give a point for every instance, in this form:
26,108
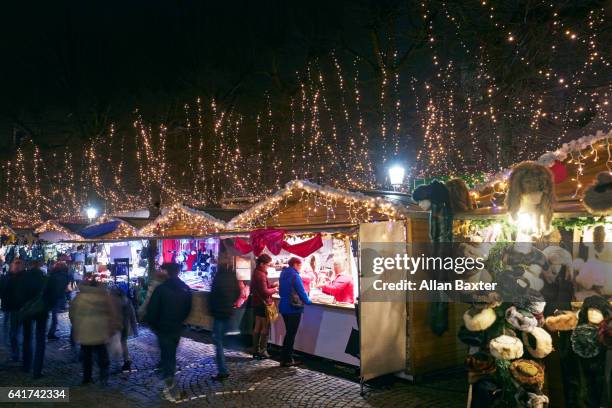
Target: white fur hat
543,342
479,320
506,347
592,273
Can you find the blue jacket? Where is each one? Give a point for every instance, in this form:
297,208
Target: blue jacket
288,277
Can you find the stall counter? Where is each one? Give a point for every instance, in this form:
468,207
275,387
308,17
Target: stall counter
324,331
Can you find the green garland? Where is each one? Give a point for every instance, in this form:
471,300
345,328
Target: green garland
569,224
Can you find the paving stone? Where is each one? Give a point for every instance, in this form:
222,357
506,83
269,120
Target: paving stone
251,384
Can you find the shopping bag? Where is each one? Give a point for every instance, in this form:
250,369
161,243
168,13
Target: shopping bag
115,351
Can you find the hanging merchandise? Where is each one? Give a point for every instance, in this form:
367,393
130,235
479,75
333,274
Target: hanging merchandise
562,321
530,200
273,240
527,373
459,196
478,320
543,342
559,171
435,198
506,347
598,196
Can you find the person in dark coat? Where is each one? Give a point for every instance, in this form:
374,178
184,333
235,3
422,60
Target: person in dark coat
12,301
168,308
35,284
59,278
223,295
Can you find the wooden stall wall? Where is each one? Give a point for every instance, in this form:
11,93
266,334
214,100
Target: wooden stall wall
426,352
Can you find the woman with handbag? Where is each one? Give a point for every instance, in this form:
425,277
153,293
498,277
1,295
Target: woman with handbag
293,297
263,305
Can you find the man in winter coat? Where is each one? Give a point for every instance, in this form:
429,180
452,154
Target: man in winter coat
223,295
94,320
168,308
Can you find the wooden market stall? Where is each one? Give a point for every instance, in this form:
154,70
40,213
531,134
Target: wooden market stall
577,168
360,219
183,234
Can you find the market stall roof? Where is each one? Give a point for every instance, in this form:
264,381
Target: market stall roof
305,204
53,231
109,229
182,221
575,166
6,231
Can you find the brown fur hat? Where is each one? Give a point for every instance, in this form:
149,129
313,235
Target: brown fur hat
460,199
530,177
598,196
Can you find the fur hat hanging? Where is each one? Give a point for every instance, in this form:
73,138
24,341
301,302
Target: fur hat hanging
532,301
584,341
435,192
527,373
506,347
594,302
562,321
526,399
598,196
479,320
531,177
479,365
460,199
523,321
543,342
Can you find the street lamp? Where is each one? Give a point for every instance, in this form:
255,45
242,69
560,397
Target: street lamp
396,176
91,213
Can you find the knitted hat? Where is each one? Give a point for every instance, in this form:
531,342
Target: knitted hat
506,347
584,341
527,373
543,342
479,320
520,320
562,321
479,365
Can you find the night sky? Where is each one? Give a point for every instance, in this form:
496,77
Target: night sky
445,87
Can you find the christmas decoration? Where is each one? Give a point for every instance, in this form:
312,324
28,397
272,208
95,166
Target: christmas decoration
181,220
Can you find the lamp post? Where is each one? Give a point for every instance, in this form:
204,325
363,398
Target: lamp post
396,176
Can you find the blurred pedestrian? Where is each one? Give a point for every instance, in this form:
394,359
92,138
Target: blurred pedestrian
168,308
158,278
293,297
129,326
59,279
262,291
223,296
38,300
12,301
94,320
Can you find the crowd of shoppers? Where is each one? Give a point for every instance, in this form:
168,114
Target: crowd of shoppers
31,300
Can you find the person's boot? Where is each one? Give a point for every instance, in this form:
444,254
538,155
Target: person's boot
256,353
127,366
263,345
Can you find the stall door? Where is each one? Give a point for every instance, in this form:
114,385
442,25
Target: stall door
382,323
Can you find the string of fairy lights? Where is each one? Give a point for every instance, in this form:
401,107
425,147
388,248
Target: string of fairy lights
336,130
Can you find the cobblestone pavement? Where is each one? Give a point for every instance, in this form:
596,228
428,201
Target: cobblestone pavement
251,384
